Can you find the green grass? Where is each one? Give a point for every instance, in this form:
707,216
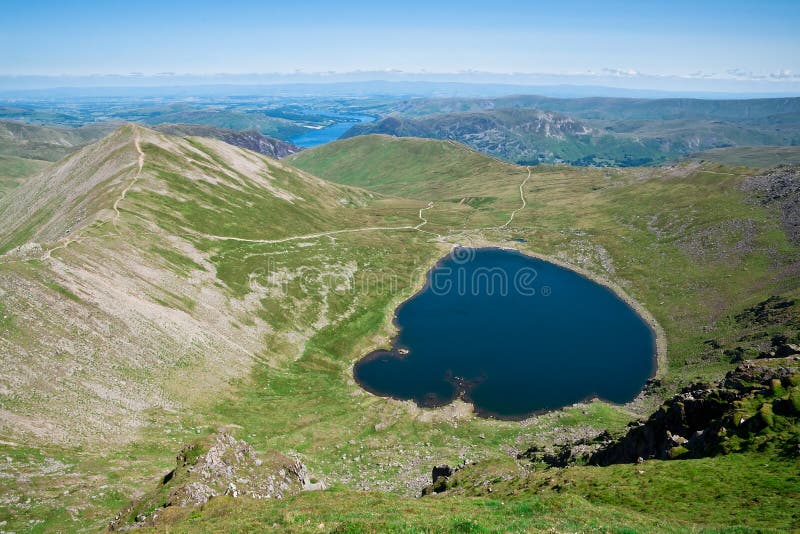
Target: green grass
349,511
23,234
670,238
407,167
737,493
14,170
752,156
182,263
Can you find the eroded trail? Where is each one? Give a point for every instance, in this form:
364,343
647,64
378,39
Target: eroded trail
421,218
306,236
140,162
325,234
522,197
65,242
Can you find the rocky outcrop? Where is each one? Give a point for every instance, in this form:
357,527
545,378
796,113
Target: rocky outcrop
218,465
768,329
441,476
704,420
780,189
564,454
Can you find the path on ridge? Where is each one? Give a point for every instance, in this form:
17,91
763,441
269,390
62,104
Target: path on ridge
418,227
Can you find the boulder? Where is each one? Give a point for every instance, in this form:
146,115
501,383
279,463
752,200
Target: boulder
441,471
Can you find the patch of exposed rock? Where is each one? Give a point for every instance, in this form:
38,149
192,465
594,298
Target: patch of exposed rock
768,329
440,476
215,466
564,454
754,406
779,188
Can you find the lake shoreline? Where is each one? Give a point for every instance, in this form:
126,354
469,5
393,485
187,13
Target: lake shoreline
394,349
660,356
659,334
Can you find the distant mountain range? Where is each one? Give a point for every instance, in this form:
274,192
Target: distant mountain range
594,131
613,108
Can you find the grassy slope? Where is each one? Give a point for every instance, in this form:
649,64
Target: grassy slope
738,493
14,170
408,167
752,156
664,235
32,141
155,321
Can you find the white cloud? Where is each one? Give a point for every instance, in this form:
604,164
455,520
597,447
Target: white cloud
783,74
623,73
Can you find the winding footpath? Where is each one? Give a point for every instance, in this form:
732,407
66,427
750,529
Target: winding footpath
301,237
418,227
522,197
74,239
140,162
423,221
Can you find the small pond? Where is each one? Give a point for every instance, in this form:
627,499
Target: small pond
513,335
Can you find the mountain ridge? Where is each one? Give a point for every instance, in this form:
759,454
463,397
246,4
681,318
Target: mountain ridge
250,139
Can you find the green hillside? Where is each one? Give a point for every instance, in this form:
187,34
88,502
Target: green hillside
752,156
249,139
14,170
166,296
403,166
32,141
523,136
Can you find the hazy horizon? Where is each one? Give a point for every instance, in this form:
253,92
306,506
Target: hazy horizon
726,47
471,84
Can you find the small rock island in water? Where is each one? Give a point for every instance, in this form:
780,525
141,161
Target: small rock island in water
513,335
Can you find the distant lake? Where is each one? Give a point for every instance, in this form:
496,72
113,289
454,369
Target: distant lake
514,335
321,136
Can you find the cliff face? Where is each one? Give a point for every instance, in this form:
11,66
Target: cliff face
756,403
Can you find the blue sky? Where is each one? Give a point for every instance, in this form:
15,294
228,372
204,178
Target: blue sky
744,40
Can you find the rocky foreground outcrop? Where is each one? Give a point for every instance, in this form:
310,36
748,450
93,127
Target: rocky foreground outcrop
215,466
756,405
